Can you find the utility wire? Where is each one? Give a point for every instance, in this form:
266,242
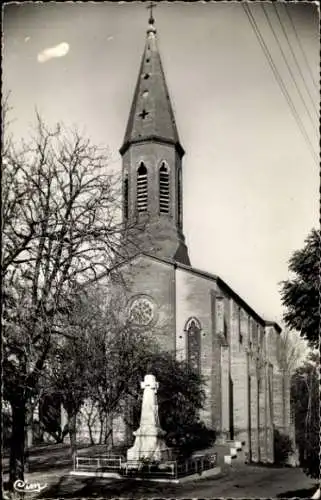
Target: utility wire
295,59
287,64
279,80
300,45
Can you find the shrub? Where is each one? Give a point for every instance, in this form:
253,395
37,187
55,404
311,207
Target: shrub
191,437
180,398
282,448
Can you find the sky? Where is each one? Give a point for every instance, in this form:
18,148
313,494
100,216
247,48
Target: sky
250,179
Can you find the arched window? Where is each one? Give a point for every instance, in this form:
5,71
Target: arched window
142,188
163,189
193,332
126,197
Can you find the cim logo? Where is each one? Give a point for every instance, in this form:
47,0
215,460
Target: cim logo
25,487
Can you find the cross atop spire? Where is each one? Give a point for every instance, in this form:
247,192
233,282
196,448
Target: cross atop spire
151,5
151,114
151,20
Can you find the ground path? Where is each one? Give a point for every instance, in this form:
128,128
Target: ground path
238,481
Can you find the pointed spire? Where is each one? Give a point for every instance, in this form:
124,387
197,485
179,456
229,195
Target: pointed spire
151,116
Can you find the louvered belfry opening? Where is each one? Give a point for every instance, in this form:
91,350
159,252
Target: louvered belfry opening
163,189
142,188
179,198
126,197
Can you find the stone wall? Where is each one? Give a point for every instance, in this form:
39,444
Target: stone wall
91,429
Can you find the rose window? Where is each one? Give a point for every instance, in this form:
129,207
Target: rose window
141,311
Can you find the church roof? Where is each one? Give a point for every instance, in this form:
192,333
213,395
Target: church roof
151,116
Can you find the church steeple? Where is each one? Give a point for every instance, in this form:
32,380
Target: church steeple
151,116
152,160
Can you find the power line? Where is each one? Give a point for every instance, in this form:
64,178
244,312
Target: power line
279,79
300,45
295,59
287,65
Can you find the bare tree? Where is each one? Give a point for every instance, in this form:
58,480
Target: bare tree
96,361
117,347
61,228
293,351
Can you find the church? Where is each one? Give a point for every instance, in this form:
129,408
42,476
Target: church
200,318
205,322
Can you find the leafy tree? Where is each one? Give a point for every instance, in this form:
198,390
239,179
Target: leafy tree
60,230
180,398
306,397
282,448
300,295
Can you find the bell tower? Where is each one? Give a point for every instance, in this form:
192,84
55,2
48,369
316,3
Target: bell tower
152,161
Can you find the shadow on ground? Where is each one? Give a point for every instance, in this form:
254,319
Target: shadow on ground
45,457
45,464
304,493
93,487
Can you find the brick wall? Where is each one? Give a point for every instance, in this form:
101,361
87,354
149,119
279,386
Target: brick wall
279,388
162,234
239,374
225,392
217,316
234,351
270,410
143,277
151,154
194,299
255,454
262,412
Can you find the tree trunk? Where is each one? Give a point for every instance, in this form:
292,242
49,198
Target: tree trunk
28,434
92,440
26,450
17,442
91,424
101,430
108,433
72,434
108,428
